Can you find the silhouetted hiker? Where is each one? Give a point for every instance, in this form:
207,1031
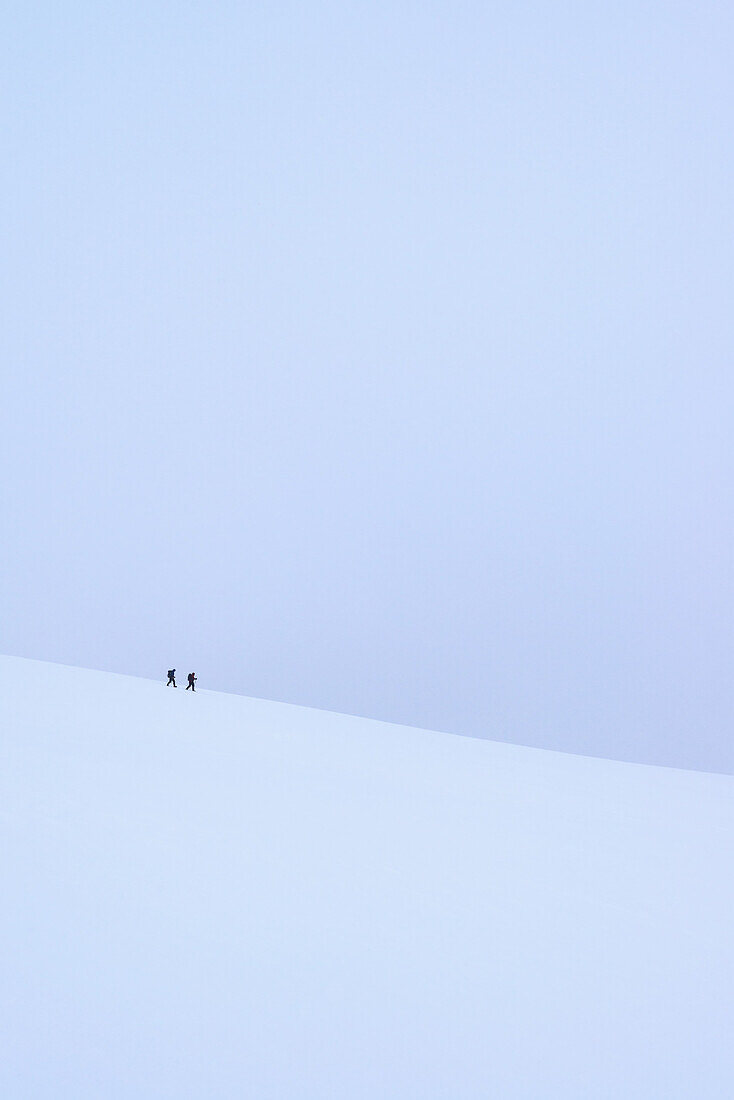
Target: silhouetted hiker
192,680
171,677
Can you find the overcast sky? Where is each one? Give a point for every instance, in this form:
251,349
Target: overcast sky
378,357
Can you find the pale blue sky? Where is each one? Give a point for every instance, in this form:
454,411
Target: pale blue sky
378,357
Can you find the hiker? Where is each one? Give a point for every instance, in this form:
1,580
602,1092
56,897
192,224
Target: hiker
192,680
171,677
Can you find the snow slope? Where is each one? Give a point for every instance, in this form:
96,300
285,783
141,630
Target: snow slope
216,897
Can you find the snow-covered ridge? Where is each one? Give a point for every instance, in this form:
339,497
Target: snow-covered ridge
211,896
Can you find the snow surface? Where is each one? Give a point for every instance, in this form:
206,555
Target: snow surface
210,896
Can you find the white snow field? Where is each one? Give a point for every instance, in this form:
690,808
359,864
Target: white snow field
207,896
